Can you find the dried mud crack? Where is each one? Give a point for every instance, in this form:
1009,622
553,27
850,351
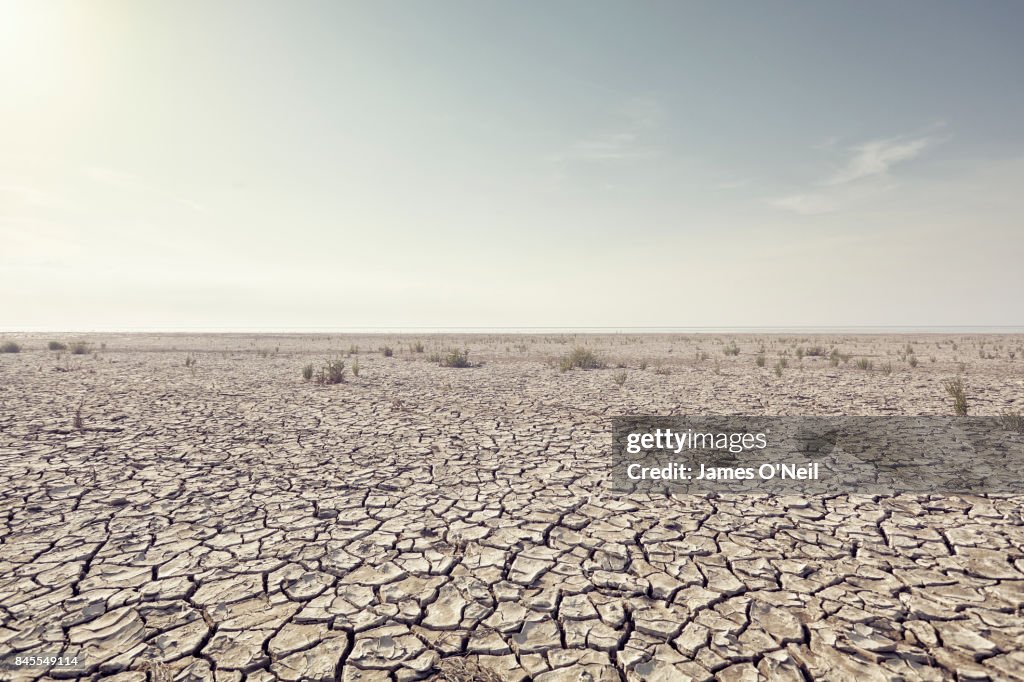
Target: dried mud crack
229,522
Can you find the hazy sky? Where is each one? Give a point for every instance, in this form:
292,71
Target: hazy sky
274,165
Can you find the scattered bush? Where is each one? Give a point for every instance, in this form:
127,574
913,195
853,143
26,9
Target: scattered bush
77,422
57,345
580,358
190,361
80,348
643,365
815,352
387,351
779,366
759,360
456,358
307,372
663,371
731,349
331,373
955,390
864,363
912,361
887,368
1012,421
355,368
417,347
10,347
620,378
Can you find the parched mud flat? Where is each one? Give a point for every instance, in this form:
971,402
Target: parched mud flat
225,520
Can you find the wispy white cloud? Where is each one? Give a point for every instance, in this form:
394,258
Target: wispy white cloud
834,198
864,172
612,146
876,157
639,118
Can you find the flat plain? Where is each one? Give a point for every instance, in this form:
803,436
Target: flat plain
189,507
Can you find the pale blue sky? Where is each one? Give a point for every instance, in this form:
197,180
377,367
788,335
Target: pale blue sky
212,164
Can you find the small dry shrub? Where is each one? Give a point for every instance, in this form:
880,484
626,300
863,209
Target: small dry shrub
1012,421
955,390
456,358
331,373
580,358
458,669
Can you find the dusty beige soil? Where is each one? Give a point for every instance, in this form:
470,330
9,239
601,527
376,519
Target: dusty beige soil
227,520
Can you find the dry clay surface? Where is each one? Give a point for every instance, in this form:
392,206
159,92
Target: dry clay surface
226,520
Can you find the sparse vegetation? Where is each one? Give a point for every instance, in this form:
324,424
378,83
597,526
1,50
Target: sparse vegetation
619,378
912,361
79,348
77,422
580,358
864,363
1012,421
464,669
10,347
731,349
190,361
662,370
387,351
307,372
887,368
955,390
56,345
355,367
417,347
779,366
760,360
331,373
456,358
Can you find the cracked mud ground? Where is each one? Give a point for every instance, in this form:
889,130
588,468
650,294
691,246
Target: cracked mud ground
227,521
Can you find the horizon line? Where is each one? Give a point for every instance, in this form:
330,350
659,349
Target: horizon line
526,329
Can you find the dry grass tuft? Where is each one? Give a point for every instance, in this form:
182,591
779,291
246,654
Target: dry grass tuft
955,390
331,373
456,358
458,669
580,358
